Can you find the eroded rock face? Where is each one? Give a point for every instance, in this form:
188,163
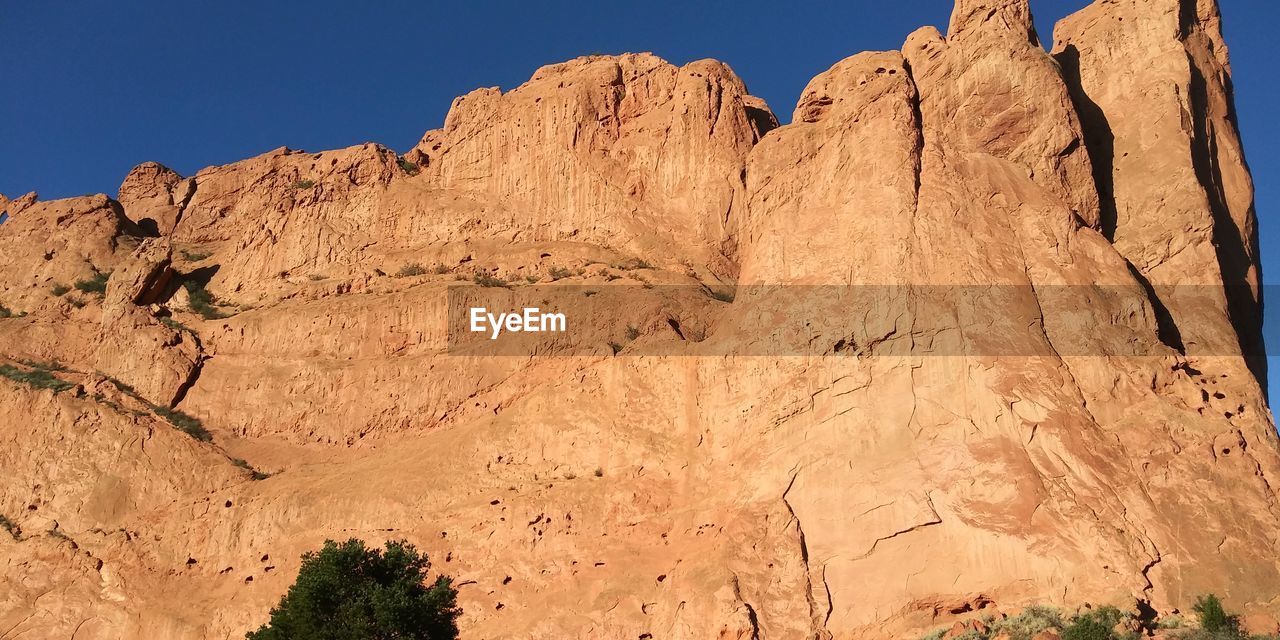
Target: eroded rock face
880,470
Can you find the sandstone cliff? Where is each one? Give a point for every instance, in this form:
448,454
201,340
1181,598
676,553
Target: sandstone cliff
857,471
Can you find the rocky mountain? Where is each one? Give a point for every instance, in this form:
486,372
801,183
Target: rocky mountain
1052,395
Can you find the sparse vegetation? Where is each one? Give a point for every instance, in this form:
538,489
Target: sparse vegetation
78,303
1108,623
59,290
617,348
175,325
194,256
185,423
201,301
632,265
632,333
5,312
410,270
599,472
486,279
407,167
303,184
558,273
726,295
349,591
253,473
38,377
97,284
440,269
532,278
8,525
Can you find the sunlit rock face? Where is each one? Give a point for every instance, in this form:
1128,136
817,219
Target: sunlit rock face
978,329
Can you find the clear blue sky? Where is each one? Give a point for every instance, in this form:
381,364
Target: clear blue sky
93,88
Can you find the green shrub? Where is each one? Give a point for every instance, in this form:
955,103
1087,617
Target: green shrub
304,184
558,273
36,378
187,424
346,591
407,167
440,269
410,270
194,257
201,301
59,290
1213,618
1027,624
1098,624
97,284
632,333
5,312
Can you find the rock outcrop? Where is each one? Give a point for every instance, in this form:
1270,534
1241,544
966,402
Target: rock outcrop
944,344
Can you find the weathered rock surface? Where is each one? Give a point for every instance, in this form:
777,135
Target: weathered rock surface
877,468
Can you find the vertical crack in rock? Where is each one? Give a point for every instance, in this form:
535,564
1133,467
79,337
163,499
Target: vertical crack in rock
817,619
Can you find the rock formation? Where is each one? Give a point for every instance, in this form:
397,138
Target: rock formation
873,467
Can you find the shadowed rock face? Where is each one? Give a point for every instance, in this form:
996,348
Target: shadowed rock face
883,470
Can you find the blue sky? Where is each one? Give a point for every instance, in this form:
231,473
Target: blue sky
93,88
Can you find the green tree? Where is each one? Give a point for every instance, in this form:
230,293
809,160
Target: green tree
1213,618
349,592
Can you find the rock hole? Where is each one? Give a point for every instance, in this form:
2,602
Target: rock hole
248,579
662,578
506,580
227,504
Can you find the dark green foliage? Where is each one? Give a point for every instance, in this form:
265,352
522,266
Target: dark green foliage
185,423
304,184
1213,618
194,256
408,167
37,378
59,289
77,302
410,270
349,592
201,301
97,284
1094,625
